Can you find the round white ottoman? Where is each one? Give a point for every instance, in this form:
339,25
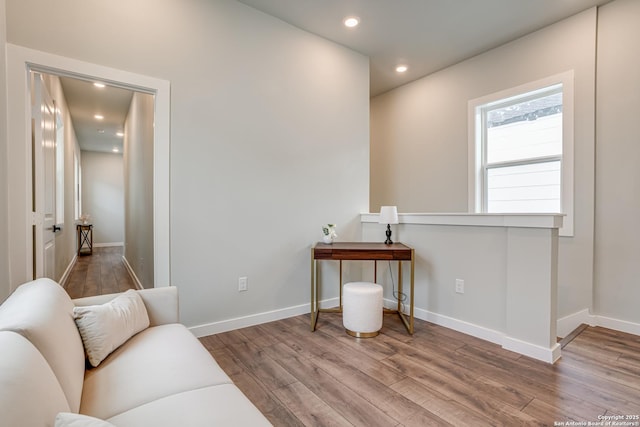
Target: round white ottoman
362,309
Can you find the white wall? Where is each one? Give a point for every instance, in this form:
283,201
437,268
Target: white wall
269,136
138,187
617,244
419,137
4,237
103,195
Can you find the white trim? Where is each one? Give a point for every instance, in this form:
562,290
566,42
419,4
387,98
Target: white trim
474,152
568,324
549,355
472,329
132,274
67,271
105,245
19,60
256,319
617,325
475,219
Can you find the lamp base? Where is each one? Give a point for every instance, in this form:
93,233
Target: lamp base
388,241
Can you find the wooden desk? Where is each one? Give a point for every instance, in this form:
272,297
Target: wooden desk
361,251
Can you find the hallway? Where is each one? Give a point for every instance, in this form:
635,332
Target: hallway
103,272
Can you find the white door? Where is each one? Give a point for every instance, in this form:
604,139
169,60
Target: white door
44,178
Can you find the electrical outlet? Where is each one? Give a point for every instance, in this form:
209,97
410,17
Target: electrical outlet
459,286
243,284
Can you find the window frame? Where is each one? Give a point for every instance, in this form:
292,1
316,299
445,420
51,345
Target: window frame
477,202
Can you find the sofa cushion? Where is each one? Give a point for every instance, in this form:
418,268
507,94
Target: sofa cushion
42,312
69,419
105,327
219,405
157,362
30,394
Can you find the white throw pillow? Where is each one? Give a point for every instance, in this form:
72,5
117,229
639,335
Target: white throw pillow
105,327
68,419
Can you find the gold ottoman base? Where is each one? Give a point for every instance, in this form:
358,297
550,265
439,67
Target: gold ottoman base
362,334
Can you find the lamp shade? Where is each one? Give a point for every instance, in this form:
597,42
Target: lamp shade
388,215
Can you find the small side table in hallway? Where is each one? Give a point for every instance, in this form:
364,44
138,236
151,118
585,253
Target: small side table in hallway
85,239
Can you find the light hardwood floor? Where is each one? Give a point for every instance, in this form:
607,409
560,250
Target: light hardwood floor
437,377
103,272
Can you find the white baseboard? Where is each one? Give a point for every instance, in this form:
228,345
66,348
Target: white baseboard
67,271
105,245
549,355
135,279
460,326
617,324
569,323
257,319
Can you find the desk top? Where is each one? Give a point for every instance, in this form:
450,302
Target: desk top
366,251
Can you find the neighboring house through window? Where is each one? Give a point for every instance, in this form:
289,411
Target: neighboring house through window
521,150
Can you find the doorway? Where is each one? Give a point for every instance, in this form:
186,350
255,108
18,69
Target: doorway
20,169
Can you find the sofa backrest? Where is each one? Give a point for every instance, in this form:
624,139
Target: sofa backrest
42,312
30,394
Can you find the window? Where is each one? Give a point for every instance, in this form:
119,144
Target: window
521,150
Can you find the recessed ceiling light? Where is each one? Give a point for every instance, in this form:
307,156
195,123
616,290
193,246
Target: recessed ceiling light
401,68
351,21
115,150
98,117
100,85
119,134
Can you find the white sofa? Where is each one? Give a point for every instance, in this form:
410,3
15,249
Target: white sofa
162,376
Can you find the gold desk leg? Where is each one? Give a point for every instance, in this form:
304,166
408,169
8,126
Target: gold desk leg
340,285
313,291
408,323
375,271
412,289
399,286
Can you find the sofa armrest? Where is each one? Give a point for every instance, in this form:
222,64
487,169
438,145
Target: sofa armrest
161,304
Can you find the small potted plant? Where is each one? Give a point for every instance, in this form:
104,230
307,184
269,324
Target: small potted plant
329,233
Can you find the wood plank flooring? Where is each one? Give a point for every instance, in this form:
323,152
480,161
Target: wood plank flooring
103,272
437,377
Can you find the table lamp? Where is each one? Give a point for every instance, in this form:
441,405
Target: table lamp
388,215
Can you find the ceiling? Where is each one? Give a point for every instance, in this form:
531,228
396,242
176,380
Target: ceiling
84,101
425,35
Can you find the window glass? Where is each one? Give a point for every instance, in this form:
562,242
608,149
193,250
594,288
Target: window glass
526,129
527,188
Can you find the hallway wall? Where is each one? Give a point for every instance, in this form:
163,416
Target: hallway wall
138,185
103,196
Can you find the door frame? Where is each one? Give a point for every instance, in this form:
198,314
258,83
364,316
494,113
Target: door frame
20,61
